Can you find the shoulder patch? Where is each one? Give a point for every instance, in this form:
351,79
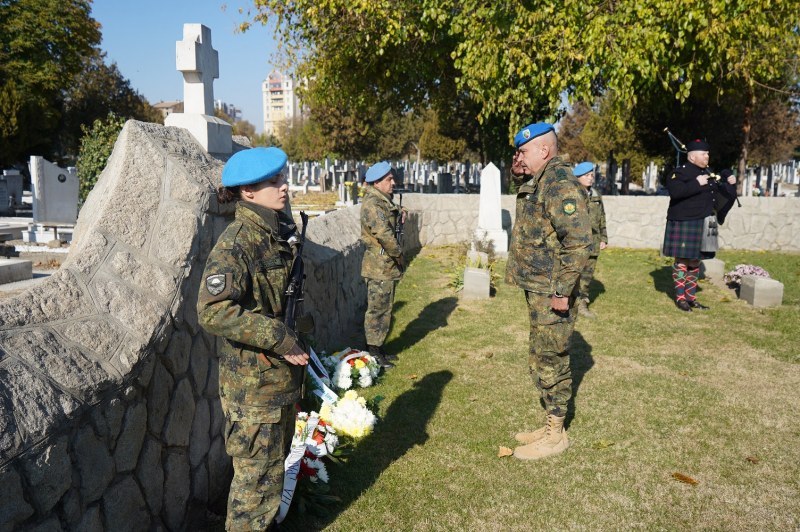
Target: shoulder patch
569,207
215,284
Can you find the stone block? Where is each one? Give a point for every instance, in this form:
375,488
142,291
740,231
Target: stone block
13,508
712,269
177,486
124,507
761,291
130,440
13,270
178,425
151,475
95,465
49,475
477,283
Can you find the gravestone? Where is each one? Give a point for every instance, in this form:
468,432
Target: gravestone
54,191
199,63
761,291
10,191
712,269
490,219
477,276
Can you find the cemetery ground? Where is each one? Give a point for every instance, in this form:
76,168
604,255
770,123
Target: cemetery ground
713,396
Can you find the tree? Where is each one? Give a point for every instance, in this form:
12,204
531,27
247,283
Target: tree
570,130
514,61
98,90
96,147
42,47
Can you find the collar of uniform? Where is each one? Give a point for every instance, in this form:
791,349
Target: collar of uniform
261,216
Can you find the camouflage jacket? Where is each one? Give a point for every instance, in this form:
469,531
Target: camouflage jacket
241,300
379,217
552,235
597,217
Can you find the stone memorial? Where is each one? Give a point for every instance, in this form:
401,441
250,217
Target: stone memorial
490,219
712,269
477,276
761,291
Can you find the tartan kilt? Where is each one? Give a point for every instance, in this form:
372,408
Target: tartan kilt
682,238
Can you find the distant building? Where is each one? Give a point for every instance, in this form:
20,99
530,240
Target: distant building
279,101
167,108
231,110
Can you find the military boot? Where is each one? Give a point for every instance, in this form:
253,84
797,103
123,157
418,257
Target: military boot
386,355
375,351
555,441
530,437
583,309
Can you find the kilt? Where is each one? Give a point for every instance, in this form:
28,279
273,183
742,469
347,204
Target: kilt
682,238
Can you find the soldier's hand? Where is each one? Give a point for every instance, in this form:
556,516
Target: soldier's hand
297,356
603,245
702,179
403,214
559,304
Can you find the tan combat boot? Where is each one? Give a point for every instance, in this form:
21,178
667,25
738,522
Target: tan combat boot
583,309
530,437
555,441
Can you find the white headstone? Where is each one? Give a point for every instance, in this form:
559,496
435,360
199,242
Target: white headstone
199,63
54,192
490,215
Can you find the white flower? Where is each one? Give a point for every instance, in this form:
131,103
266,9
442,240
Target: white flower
341,377
350,416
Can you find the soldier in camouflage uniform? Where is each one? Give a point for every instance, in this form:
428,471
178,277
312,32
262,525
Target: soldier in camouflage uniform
260,361
382,266
584,172
549,248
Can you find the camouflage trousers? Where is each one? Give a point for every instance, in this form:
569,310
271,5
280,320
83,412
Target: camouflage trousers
586,277
258,450
378,318
548,358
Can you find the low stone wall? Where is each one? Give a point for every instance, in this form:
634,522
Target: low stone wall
768,224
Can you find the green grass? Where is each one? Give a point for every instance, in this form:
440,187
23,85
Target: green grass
657,392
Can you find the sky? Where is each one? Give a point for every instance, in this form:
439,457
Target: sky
140,36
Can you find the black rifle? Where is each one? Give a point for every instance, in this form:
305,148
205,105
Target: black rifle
398,230
294,290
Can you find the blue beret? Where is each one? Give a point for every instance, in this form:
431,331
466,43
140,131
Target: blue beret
530,132
378,171
583,168
251,166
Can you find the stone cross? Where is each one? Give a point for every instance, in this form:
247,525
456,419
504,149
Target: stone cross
199,64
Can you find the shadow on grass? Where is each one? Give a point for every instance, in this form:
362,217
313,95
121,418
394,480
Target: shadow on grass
402,428
596,288
580,362
432,317
662,280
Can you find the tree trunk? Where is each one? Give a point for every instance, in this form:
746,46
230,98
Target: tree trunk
746,124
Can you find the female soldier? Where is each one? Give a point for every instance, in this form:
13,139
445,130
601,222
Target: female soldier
241,300
597,215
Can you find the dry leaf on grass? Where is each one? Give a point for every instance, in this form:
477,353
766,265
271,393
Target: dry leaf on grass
680,477
412,377
602,444
753,459
505,451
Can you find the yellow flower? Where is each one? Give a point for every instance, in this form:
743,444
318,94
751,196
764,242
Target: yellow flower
359,363
325,412
350,395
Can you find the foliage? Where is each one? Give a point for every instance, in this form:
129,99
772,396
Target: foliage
96,147
570,129
436,145
508,63
43,44
302,139
238,127
98,90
